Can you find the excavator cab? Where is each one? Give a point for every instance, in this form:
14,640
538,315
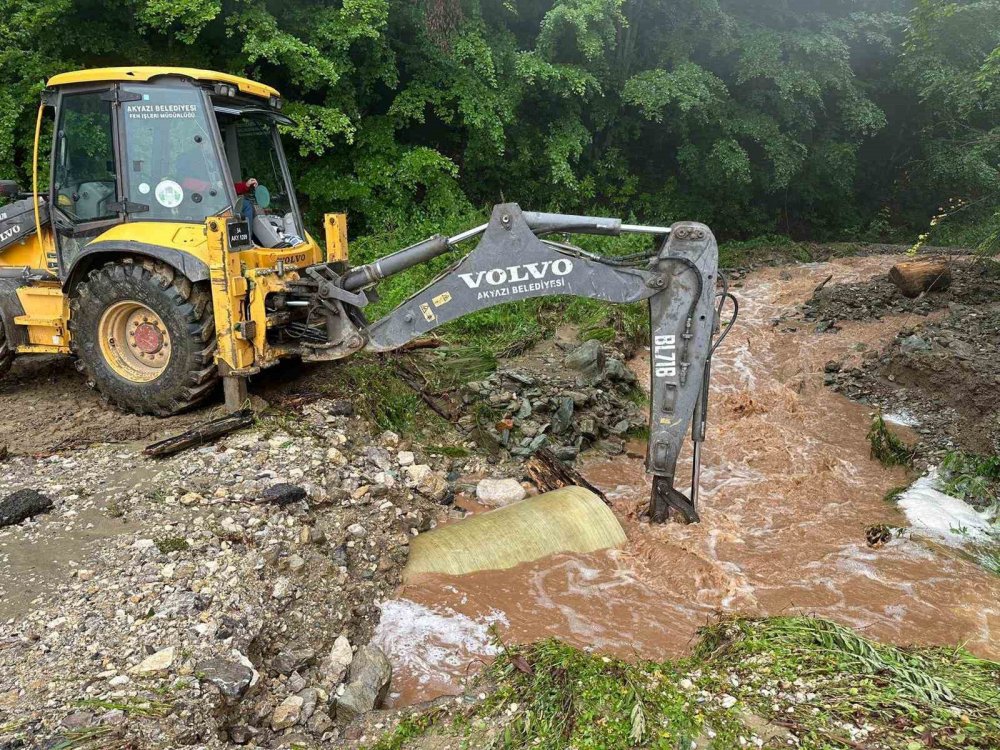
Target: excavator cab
168,149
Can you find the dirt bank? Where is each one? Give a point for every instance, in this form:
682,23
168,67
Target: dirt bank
941,365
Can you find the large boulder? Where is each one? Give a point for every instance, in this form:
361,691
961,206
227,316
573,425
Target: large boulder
23,504
371,672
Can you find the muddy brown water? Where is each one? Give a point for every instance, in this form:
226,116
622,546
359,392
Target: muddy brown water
788,488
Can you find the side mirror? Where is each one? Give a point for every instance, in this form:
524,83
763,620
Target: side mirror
9,190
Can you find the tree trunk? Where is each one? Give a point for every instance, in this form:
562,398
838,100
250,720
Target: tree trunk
914,277
549,473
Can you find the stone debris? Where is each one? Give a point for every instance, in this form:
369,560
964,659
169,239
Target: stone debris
21,505
161,661
370,674
908,374
540,404
291,660
499,492
264,544
283,494
287,713
335,665
231,678
244,575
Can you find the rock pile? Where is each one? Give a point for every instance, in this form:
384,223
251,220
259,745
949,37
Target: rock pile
589,399
235,605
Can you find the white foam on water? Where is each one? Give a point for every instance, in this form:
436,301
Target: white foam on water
428,643
902,417
951,520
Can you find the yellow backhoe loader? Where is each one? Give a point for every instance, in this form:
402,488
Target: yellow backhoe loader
169,253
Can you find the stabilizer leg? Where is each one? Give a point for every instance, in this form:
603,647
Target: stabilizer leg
234,388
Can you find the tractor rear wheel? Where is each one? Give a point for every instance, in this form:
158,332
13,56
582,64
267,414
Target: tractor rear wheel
145,336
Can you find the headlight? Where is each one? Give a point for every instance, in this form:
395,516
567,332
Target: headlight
225,89
275,102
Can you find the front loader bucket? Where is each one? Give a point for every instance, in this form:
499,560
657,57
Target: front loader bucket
570,519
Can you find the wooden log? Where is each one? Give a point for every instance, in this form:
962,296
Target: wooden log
200,434
914,277
439,403
549,473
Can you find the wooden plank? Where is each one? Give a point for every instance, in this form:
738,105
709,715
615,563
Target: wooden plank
200,434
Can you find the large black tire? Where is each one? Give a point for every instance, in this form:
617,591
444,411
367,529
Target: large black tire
184,309
7,352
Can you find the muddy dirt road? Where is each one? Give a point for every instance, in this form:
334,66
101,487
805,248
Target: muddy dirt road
788,489
48,407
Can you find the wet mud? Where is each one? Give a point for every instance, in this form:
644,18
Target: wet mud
788,488
30,569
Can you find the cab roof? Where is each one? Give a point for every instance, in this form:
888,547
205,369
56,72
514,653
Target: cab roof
149,72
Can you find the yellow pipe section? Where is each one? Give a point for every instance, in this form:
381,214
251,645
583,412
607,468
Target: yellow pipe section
570,519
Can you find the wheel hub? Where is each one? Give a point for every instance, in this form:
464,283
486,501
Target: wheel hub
134,341
147,338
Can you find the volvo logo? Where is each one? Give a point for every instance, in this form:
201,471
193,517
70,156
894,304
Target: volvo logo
8,233
517,274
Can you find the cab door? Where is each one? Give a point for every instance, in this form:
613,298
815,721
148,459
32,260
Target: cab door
85,192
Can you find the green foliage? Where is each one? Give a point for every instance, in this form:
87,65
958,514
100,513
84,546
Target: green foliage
951,61
886,447
971,477
775,679
931,697
172,544
378,394
818,120
552,696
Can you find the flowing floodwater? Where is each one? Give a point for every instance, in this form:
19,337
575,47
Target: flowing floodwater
788,488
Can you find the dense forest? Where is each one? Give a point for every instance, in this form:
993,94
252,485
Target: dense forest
825,119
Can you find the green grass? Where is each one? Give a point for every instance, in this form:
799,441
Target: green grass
131,706
914,698
172,544
377,393
781,678
88,738
971,477
451,451
886,447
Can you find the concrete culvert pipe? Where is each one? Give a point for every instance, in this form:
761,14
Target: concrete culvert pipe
570,519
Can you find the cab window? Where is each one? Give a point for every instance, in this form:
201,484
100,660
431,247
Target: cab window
253,149
85,183
172,165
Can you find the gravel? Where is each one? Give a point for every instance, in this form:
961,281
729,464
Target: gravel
227,603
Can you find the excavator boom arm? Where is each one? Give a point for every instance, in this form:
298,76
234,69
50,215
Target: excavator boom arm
511,262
